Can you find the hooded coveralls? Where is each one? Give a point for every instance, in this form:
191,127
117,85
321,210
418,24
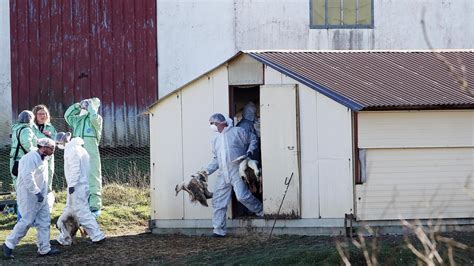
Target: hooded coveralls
32,179
28,141
88,126
231,143
76,170
39,134
247,122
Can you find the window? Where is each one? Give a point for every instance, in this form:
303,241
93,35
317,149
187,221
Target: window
326,14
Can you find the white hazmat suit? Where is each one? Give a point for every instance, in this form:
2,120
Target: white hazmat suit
32,179
76,170
228,145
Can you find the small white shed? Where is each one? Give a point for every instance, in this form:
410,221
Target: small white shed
379,135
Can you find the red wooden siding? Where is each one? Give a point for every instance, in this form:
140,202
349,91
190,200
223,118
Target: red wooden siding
67,50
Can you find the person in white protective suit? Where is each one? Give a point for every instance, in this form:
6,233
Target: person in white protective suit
229,144
76,171
32,188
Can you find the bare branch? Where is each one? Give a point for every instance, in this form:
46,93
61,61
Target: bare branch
342,254
459,74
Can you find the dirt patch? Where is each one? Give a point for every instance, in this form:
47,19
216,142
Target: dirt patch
177,249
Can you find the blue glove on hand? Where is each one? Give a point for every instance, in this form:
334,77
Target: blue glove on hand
71,190
85,104
39,196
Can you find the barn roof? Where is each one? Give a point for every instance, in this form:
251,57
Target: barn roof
381,80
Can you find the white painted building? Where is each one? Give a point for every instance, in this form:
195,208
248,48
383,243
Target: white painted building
5,74
196,35
380,135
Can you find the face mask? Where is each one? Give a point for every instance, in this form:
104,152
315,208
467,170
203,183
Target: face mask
60,146
45,157
214,128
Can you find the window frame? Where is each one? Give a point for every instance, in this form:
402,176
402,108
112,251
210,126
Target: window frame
344,26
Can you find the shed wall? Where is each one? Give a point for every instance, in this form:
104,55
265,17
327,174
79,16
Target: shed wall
166,159
244,70
199,101
180,143
419,183
419,165
409,129
326,152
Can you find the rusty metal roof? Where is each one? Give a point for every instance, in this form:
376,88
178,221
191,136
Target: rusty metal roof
382,80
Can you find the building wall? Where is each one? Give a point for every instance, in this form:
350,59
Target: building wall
419,165
5,74
416,129
180,145
64,51
196,35
326,152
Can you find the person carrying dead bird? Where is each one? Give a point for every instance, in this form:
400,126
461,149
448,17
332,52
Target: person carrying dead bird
229,144
76,171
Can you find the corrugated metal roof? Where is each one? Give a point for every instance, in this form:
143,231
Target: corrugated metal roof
372,80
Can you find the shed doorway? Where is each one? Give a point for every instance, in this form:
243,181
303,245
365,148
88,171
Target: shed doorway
239,96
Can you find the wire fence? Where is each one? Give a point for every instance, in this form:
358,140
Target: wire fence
123,165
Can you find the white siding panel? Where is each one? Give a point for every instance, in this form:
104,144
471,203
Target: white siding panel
273,77
245,71
335,153
441,187
335,188
197,105
200,100
308,142
409,129
309,154
5,74
220,85
326,153
278,114
166,159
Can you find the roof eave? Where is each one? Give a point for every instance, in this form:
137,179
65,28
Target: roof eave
419,107
355,106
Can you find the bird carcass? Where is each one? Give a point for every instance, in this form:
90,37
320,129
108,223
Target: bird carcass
68,224
251,174
196,188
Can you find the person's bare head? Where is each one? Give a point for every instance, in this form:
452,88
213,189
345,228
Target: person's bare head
42,115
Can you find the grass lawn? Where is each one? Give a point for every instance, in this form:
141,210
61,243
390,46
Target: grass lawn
126,210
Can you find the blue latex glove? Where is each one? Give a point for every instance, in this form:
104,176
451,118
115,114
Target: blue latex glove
40,197
71,190
85,104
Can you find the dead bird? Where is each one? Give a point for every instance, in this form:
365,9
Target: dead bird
68,222
196,188
251,174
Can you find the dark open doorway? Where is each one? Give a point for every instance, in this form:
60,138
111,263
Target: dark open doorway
239,96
